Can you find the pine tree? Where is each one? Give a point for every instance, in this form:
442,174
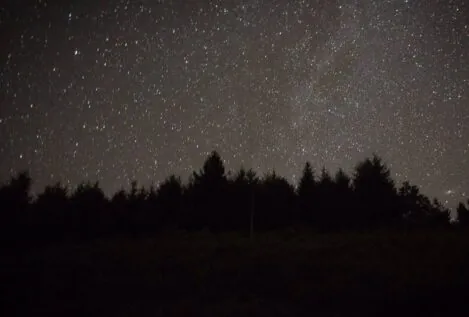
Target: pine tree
377,203
463,215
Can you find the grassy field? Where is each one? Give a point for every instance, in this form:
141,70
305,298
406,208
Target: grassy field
278,274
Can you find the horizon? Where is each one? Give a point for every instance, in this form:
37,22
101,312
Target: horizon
231,174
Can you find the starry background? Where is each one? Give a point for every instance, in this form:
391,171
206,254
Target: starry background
121,90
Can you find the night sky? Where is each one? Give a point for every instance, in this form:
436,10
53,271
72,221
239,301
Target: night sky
121,90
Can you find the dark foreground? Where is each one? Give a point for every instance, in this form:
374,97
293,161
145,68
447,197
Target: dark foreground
281,274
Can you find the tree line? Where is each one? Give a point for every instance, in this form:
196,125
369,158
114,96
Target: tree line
215,200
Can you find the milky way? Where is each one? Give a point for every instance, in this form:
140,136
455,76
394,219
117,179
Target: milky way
121,90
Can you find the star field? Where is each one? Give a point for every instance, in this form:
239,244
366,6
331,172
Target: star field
121,90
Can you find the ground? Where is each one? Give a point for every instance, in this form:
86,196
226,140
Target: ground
277,274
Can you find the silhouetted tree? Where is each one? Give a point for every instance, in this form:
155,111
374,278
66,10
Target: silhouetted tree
240,207
119,211
325,197
169,201
342,201
463,215
14,204
376,203
439,215
119,198
414,206
152,217
52,209
342,181
207,193
89,210
136,209
16,194
275,204
418,210
307,196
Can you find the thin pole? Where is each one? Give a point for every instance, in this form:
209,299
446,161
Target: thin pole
251,223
